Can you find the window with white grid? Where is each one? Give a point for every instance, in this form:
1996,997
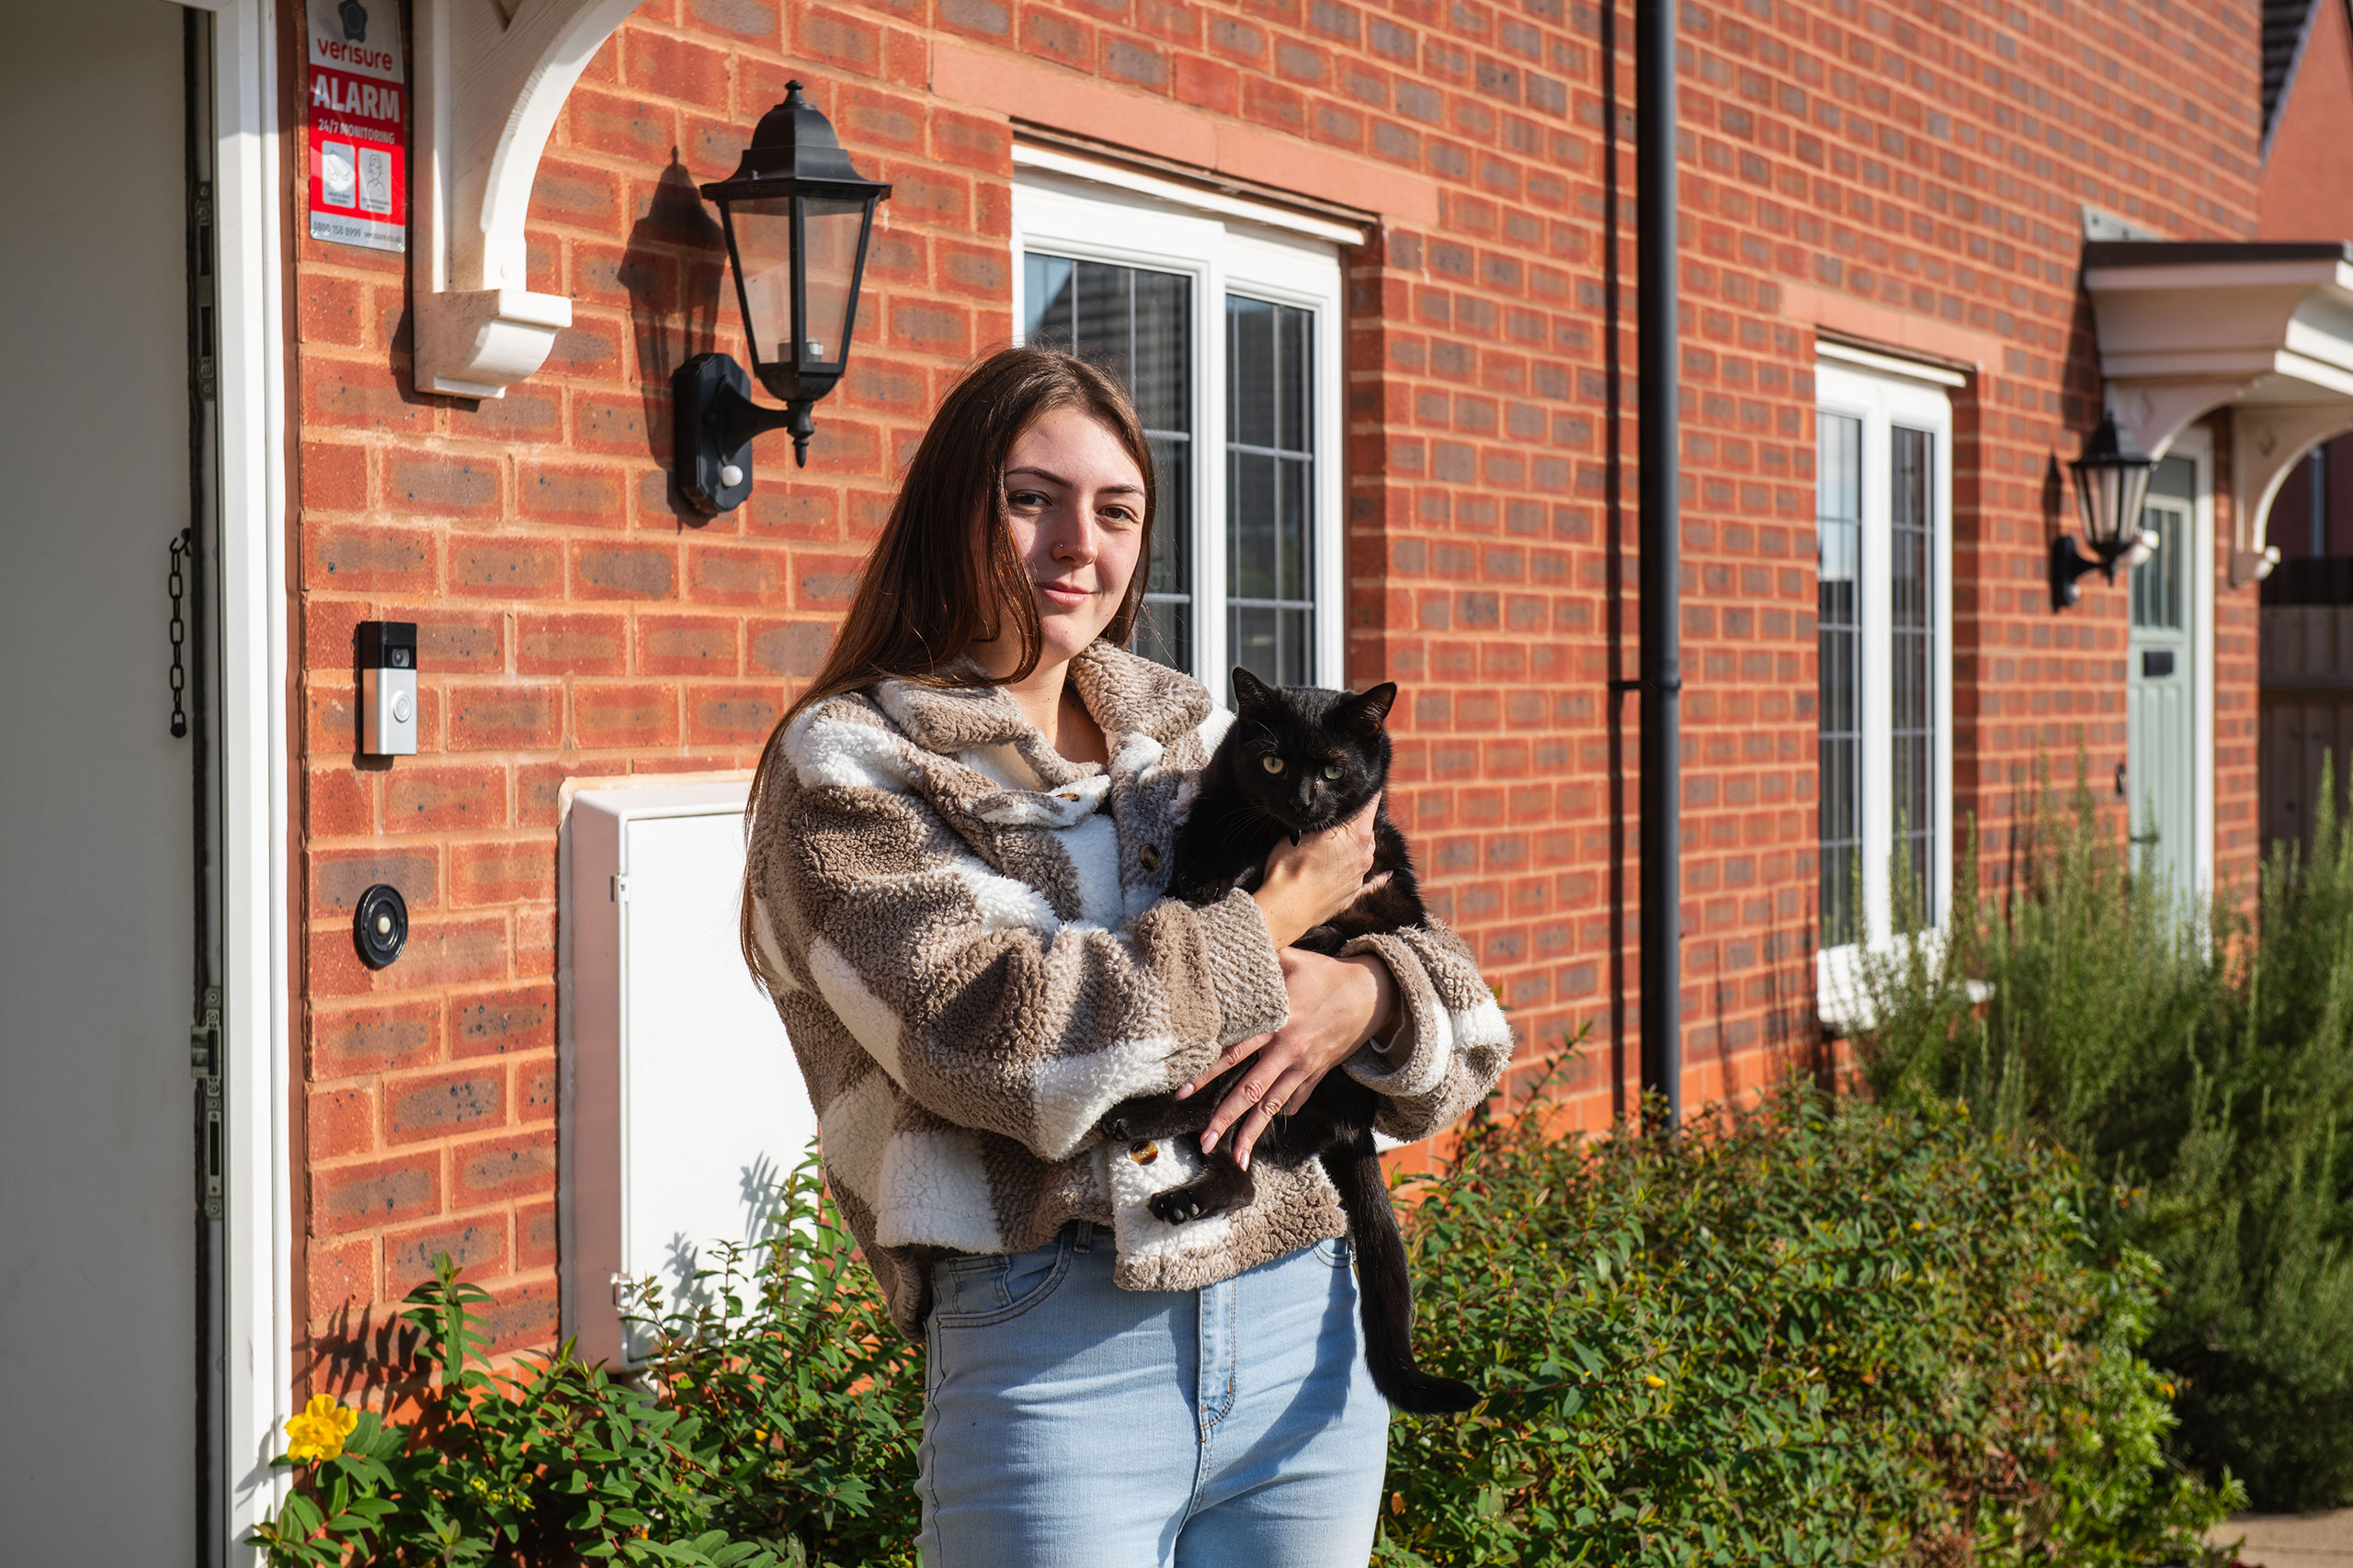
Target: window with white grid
1883,640
1227,331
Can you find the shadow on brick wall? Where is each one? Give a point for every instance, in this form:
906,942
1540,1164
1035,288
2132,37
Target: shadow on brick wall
674,269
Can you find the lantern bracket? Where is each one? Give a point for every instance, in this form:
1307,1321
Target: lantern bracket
2068,563
492,77
716,420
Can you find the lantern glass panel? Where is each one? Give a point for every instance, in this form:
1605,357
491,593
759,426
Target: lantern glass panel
832,226
2099,496
762,229
2131,494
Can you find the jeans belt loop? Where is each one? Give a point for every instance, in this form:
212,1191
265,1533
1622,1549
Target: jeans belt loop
1085,1241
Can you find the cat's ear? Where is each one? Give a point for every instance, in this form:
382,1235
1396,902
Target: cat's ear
1372,705
1248,689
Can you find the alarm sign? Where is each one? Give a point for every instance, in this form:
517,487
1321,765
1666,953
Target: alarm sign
358,124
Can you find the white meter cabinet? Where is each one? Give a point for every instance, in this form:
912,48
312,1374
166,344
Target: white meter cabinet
683,1104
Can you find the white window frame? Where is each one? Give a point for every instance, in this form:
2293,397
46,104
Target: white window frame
1064,205
1883,391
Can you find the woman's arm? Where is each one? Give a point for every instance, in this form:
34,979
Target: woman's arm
1452,1042
984,1006
1338,1006
1406,1013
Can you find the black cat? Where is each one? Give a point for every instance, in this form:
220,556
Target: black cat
1297,760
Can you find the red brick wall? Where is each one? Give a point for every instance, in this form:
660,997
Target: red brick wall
2238,721
575,618
1908,175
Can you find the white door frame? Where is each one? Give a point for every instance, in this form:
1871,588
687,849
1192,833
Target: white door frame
2196,444
259,1234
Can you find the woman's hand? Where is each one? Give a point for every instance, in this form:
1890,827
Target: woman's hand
1336,1005
1309,883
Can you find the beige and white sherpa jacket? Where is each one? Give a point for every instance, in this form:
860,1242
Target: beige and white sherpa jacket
966,935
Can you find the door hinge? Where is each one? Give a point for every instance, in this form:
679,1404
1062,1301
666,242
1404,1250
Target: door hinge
204,1063
619,894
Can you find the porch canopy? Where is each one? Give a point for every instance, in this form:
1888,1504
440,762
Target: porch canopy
2264,328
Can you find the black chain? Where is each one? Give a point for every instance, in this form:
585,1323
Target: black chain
180,548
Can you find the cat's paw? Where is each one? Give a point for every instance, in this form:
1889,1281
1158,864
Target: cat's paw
1181,1205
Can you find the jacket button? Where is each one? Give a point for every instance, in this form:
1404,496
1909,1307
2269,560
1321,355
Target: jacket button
1149,858
1144,1152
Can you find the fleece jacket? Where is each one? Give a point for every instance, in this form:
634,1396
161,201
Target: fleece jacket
968,937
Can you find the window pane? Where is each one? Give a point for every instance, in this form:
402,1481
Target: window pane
1162,382
1049,298
1250,367
1270,488
1137,325
1838,527
2156,582
1913,654
1250,536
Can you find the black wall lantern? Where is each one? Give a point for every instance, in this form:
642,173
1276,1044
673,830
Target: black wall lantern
797,218
2111,480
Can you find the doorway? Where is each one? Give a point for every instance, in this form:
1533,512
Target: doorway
2160,695
110,1219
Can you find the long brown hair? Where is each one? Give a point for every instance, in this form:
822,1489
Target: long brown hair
924,599
929,595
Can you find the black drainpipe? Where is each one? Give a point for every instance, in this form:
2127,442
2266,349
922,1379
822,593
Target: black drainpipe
1657,359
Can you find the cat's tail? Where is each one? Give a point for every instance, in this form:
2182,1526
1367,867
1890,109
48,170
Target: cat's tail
1384,1288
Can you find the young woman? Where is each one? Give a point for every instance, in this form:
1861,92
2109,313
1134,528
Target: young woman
959,838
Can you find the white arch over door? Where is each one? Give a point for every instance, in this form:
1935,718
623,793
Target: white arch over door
2262,328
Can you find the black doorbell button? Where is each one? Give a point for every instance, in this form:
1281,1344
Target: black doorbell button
380,924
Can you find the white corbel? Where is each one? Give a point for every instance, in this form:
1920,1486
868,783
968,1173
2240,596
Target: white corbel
2267,443
492,75
2263,329
2156,415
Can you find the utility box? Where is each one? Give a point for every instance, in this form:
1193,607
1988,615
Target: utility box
683,1103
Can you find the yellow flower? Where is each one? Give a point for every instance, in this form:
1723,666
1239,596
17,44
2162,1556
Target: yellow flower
2166,1389
317,1435
1654,1379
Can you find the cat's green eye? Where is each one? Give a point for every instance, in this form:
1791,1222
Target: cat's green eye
1331,770
1271,764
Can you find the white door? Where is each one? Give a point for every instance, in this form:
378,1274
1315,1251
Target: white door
100,1324
2159,705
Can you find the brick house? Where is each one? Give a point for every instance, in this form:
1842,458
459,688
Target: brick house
1368,264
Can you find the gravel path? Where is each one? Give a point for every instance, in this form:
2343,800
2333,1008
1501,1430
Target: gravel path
2292,1540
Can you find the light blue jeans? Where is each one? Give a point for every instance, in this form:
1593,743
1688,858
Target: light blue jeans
1069,1423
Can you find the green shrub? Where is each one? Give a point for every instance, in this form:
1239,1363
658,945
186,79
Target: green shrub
1814,1335
777,1427
2204,1059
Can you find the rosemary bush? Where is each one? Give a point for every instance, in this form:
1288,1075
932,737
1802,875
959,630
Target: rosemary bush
1814,1334
2198,1057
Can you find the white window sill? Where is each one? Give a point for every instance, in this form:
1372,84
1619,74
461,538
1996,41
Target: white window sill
1842,1002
